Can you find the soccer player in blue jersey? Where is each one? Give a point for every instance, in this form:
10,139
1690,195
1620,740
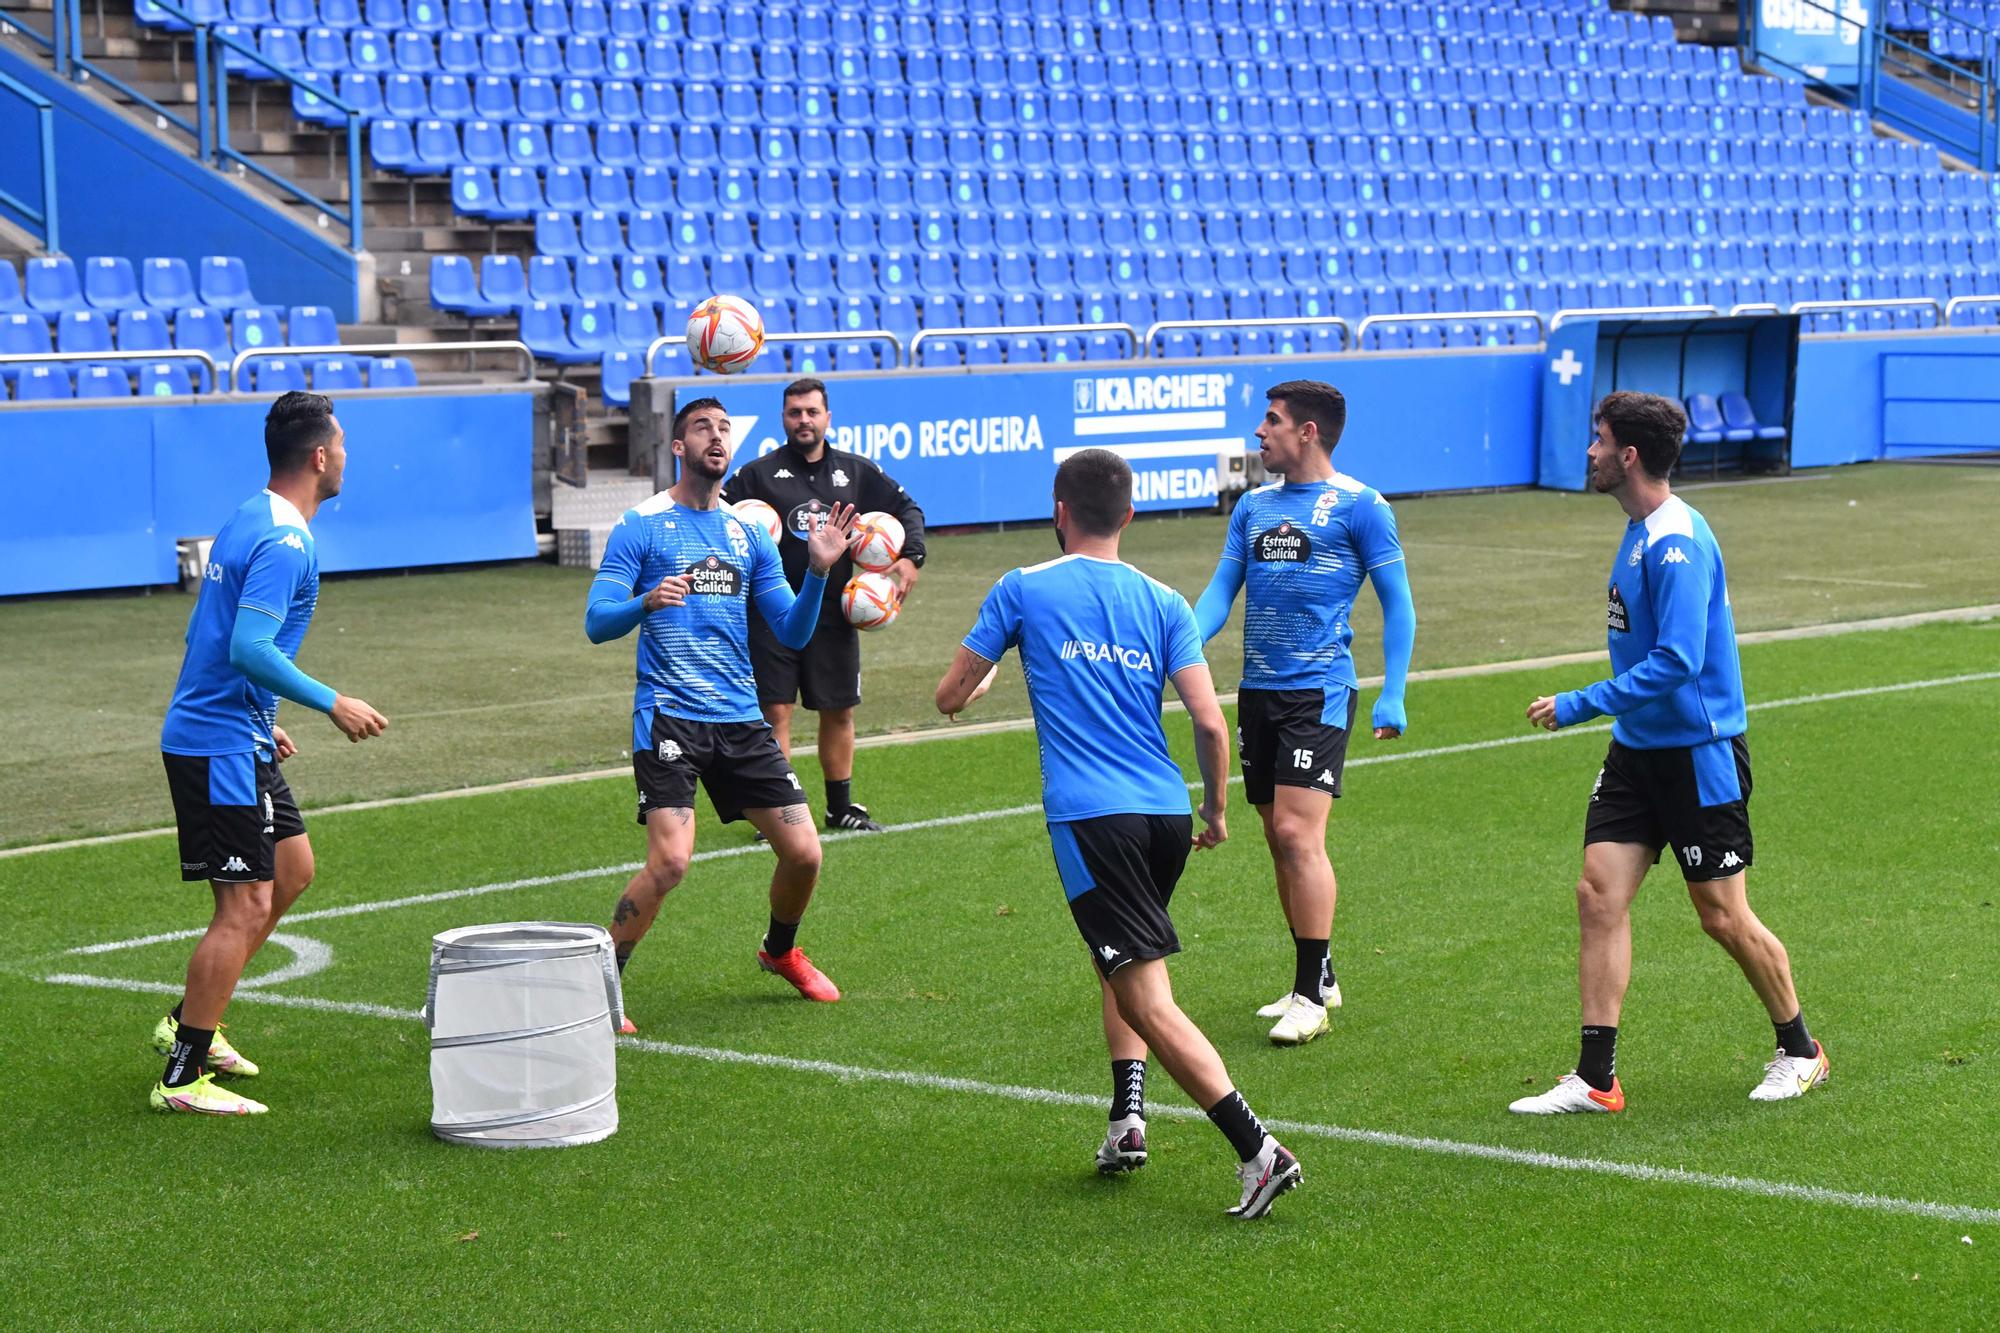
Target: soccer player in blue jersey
682,570
1099,641
239,827
1678,771
1299,550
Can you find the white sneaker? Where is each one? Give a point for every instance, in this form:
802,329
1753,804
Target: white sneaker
1329,997
1301,1022
1124,1147
1264,1177
1571,1094
1792,1075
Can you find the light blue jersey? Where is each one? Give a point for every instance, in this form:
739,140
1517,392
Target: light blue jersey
1098,641
264,560
1305,550
694,660
1676,680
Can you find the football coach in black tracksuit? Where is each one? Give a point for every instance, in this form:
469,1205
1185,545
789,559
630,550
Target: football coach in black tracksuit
802,480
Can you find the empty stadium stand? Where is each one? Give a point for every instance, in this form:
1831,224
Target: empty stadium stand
583,170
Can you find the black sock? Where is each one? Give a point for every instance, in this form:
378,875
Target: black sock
1597,1064
1311,966
176,1014
780,938
1239,1124
1128,1088
1794,1040
187,1056
839,795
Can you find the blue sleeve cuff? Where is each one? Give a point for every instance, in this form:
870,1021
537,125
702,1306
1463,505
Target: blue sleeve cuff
1573,707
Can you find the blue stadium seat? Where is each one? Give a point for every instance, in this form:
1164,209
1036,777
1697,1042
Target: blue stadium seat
164,379
1704,420
110,284
1740,421
336,374
166,283
83,331
224,283
51,286
144,330
391,372
315,325
98,381
42,384
275,374
503,282
199,329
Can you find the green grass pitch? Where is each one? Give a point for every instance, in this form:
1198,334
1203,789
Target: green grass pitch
918,1155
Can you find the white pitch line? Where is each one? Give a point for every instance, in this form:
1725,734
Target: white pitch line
1859,583
1641,1172
961,731
983,816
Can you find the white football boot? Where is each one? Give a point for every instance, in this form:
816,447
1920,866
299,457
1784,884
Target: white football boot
1300,1023
1124,1147
1329,998
1571,1094
1792,1075
1264,1177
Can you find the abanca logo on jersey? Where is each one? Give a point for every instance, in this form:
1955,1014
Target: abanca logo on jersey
713,577
1132,659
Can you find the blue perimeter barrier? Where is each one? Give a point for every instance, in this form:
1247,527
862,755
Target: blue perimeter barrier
983,448
96,496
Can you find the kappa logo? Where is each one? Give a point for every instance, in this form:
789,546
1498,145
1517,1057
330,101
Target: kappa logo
1731,860
669,751
1675,556
1326,776
235,863
1106,952
270,815
782,474
292,540
793,778
839,477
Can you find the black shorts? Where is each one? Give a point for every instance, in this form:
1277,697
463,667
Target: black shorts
1696,798
1283,741
826,673
1119,872
739,764
232,811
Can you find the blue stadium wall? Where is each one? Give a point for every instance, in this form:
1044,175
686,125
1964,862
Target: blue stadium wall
124,192
444,478
95,496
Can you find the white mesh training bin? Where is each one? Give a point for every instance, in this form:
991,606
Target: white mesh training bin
523,1018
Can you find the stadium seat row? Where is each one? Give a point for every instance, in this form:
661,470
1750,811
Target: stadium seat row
922,24
220,333
51,285
164,379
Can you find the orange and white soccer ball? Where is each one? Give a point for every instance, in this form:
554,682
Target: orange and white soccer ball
724,334
759,514
869,601
878,540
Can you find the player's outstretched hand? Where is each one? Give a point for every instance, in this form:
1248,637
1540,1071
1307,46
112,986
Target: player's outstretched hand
1542,713
285,748
903,577
356,720
1390,719
669,591
829,541
1214,832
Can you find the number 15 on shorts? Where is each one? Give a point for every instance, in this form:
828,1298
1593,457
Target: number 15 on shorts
1302,759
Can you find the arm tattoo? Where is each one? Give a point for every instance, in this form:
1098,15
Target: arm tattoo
627,911
796,814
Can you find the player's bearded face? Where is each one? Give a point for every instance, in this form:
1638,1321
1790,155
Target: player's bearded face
336,464
1607,469
805,420
706,448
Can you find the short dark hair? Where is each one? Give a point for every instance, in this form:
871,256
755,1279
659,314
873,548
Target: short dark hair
1315,401
1096,484
297,424
681,416
804,385
1653,425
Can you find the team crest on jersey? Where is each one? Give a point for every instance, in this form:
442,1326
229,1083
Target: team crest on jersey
839,477
1286,542
1324,506
806,519
739,540
712,576
1614,613
1638,553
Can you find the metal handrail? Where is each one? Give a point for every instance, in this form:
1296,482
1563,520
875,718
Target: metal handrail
1026,331
1951,306
1347,332
45,216
658,345
1630,312
1756,308
1440,317
387,349
70,62
222,150
99,358
1884,303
